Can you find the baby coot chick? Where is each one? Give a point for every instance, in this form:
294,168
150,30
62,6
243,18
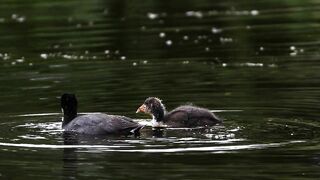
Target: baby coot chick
95,124
183,116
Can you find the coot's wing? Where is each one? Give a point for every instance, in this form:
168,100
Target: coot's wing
100,124
121,125
87,124
176,118
190,116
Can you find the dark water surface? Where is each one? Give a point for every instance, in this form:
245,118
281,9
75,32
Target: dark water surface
257,65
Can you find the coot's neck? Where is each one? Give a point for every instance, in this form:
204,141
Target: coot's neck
68,115
159,113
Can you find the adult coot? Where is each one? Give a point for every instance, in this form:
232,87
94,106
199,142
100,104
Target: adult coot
183,116
95,124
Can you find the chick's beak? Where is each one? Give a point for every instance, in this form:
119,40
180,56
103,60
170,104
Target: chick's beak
142,108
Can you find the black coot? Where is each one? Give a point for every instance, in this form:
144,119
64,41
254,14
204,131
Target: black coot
95,124
183,116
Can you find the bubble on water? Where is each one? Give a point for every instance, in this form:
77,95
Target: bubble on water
261,48
185,37
18,18
143,28
117,52
13,63
215,30
70,19
6,56
254,12
224,64
14,16
44,56
123,58
169,42
226,40
248,27
90,23
152,16
86,52
66,56
145,62
253,64
272,65
106,51
56,46
197,14
185,62
21,19
21,60
30,64
2,20
162,35
134,64
196,41
207,49
105,11
293,53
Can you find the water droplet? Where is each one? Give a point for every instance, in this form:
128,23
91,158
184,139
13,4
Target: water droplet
168,42
254,12
261,48
44,56
215,30
152,15
162,35
292,48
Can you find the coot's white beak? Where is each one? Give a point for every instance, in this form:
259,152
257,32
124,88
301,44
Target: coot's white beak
142,108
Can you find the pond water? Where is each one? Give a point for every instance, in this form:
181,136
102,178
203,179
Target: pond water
256,65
